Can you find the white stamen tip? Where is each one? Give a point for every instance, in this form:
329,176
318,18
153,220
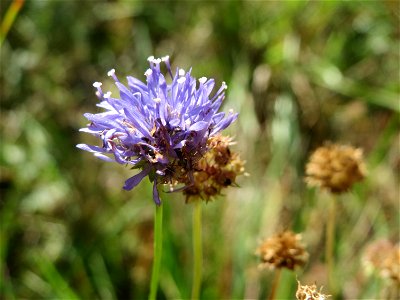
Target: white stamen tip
181,80
231,111
150,58
165,58
202,79
111,72
157,100
187,122
107,95
224,85
181,72
97,84
157,61
148,72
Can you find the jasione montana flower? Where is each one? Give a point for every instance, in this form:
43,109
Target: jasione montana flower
159,127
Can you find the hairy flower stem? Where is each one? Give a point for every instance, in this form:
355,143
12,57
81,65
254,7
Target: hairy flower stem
275,284
197,250
330,236
157,251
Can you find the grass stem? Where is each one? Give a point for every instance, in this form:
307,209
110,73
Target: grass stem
157,251
9,18
197,250
275,284
330,241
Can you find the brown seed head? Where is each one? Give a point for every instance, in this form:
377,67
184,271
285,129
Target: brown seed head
383,256
335,168
284,250
309,292
217,170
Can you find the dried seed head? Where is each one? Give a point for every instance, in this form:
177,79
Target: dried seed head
335,168
391,265
383,257
217,170
309,292
284,250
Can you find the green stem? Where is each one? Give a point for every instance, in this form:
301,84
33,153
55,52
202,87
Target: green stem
9,18
275,284
157,251
330,236
197,250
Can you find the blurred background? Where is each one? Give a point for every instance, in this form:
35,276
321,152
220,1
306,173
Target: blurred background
298,72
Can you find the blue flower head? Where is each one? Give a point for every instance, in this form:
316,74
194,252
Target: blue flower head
158,127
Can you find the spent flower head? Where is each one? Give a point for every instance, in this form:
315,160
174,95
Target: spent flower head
383,257
284,250
309,292
159,127
335,168
216,170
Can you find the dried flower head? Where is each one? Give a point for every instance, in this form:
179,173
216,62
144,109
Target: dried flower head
217,170
284,250
309,292
335,168
161,128
383,257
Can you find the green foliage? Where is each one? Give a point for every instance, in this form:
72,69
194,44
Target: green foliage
299,73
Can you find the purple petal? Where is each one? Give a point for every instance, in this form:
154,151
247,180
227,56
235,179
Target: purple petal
109,134
136,85
180,144
224,123
103,157
119,158
156,196
90,130
106,105
174,122
130,138
90,148
198,126
136,120
135,180
104,119
217,103
218,117
125,94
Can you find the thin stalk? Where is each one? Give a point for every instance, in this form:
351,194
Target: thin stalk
197,250
330,236
158,216
9,18
275,284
